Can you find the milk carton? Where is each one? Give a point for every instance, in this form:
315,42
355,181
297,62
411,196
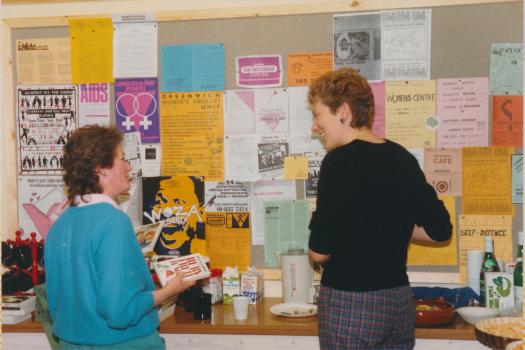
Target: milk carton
252,285
499,291
231,284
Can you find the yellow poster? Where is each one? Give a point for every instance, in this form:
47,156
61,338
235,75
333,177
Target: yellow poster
295,168
410,113
43,61
486,184
472,232
228,239
192,134
91,50
437,253
304,68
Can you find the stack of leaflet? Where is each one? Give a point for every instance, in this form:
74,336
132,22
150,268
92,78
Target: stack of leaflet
17,308
166,309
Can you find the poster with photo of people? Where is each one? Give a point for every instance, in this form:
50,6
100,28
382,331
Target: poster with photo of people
46,117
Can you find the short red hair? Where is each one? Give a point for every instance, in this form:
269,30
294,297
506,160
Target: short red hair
345,85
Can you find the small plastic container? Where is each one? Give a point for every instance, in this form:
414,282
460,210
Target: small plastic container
215,286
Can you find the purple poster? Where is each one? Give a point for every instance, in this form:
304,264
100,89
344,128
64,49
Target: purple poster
137,108
259,71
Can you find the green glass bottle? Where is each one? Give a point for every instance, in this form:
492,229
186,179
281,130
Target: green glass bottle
489,264
518,275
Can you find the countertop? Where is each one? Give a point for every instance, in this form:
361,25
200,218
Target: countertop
262,322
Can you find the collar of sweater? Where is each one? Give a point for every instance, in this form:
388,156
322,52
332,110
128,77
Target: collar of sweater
95,198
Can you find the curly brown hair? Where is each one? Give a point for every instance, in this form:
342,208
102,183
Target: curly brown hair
88,149
345,85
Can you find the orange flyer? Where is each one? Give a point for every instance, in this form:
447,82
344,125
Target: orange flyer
507,121
304,68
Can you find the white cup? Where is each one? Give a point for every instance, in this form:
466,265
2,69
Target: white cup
240,307
474,284
474,261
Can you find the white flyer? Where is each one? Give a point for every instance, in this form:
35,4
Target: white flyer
43,61
150,159
226,196
46,117
41,200
405,44
130,202
271,111
240,157
301,138
271,153
262,111
132,148
239,111
93,104
135,46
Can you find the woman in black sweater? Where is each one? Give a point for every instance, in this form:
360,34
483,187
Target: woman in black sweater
372,200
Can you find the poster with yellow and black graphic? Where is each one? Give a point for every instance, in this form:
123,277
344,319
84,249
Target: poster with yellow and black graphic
228,239
177,201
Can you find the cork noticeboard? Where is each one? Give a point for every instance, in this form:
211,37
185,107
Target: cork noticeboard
460,45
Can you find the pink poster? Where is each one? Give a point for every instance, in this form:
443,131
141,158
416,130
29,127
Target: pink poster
378,89
463,112
259,71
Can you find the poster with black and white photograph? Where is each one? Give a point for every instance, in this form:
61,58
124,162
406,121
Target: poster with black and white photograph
357,43
41,200
46,117
131,146
271,151
314,165
405,44
150,158
226,196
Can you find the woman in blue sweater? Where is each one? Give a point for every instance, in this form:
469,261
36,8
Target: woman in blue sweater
99,289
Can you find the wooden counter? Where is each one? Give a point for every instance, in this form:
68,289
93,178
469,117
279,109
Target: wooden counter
262,322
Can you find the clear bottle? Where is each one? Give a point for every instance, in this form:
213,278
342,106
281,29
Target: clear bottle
489,264
518,275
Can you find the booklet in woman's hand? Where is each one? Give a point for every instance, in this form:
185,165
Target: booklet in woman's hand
193,266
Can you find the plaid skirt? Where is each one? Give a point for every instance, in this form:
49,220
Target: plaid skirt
382,319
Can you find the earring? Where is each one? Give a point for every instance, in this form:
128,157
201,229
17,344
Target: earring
341,120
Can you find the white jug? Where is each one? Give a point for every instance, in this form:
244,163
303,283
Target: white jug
297,276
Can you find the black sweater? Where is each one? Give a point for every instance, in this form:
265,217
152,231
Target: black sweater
369,198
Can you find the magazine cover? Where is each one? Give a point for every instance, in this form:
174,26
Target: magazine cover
177,202
148,235
193,266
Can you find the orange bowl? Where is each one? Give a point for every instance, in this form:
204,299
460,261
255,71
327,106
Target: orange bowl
433,312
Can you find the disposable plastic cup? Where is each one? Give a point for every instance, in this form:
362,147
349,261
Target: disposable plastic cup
474,260
474,284
240,307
